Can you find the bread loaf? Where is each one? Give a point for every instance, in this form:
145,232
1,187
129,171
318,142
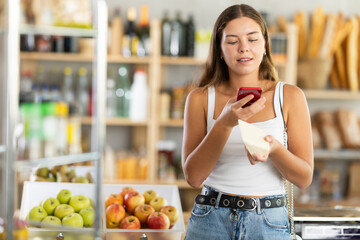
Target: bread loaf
316,135
316,33
349,128
301,21
329,32
329,132
352,55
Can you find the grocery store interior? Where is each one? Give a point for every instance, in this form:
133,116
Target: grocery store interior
92,96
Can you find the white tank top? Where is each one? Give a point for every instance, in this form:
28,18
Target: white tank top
233,172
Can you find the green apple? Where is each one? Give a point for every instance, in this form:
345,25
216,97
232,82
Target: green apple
63,210
37,214
79,202
50,222
64,196
42,172
50,204
80,179
73,220
88,215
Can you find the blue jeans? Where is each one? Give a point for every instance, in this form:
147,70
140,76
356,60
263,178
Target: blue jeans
220,223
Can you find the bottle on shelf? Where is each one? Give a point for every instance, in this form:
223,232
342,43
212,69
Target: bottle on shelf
111,93
144,32
123,92
190,37
177,39
130,40
25,87
45,93
117,31
68,95
165,34
49,128
82,92
62,113
139,97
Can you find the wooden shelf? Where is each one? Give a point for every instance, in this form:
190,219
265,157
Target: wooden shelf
133,59
55,30
331,94
331,155
182,61
50,56
115,122
78,57
172,123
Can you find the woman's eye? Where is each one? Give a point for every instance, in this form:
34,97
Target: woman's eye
252,40
232,43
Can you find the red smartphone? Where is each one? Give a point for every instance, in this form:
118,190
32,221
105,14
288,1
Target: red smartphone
244,91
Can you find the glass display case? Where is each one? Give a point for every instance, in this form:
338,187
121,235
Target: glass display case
13,128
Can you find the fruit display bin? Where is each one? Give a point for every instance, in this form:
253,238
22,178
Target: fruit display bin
36,192
169,192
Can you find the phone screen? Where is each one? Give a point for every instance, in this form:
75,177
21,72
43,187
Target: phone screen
244,91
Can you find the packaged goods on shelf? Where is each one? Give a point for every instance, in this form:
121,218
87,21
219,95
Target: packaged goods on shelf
139,97
131,166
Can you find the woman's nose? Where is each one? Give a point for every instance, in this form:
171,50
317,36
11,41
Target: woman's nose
243,47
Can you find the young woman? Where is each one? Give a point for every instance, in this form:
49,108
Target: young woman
243,195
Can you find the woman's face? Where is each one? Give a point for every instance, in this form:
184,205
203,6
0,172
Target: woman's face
242,46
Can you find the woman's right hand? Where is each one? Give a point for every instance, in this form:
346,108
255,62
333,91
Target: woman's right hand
233,110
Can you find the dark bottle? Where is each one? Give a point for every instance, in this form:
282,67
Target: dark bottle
165,35
190,37
27,42
177,39
130,39
144,32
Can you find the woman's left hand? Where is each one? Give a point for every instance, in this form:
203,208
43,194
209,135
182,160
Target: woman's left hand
256,158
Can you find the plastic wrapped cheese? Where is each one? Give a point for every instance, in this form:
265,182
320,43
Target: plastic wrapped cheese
253,138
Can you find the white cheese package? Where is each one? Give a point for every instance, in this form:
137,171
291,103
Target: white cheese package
253,138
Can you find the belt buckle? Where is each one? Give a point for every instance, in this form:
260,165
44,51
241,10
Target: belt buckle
254,205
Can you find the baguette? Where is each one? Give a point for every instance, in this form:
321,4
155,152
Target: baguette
334,77
342,32
328,36
340,67
351,55
301,21
282,23
317,31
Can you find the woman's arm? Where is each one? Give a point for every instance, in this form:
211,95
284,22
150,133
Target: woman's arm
201,150
297,163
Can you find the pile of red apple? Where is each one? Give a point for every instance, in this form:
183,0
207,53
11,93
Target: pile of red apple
130,209
65,210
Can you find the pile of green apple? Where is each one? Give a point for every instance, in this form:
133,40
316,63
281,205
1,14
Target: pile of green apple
65,210
130,209
61,173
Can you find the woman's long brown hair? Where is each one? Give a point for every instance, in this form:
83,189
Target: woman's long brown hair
216,70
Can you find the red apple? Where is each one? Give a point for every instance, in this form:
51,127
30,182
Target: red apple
114,198
172,213
114,214
158,220
132,200
125,190
142,212
130,222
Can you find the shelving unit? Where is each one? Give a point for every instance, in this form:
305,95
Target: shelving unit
11,58
155,129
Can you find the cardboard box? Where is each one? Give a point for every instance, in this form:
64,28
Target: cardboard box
169,192
36,192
